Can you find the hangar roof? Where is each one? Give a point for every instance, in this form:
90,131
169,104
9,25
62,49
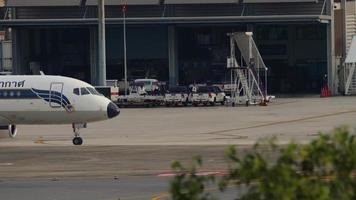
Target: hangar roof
23,3
199,1
128,2
70,12
278,1
20,3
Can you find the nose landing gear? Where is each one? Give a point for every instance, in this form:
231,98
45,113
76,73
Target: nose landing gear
77,140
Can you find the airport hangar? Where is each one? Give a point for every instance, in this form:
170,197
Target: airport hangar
183,41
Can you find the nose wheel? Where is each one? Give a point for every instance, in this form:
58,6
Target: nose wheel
77,140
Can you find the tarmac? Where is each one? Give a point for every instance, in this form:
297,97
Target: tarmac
119,157
298,119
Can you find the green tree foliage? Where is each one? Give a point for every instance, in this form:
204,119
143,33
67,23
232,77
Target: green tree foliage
187,185
324,169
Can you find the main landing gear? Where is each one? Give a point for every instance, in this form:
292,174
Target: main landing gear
77,140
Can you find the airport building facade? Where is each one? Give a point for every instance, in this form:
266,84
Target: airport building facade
184,41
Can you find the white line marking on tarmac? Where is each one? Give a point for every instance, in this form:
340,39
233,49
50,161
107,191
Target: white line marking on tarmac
6,164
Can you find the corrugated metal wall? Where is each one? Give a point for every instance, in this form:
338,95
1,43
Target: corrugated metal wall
48,12
133,11
286,8
207,10
277,1
128,2
32,3
177,10
199,1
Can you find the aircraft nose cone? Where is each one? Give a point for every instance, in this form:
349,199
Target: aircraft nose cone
112,110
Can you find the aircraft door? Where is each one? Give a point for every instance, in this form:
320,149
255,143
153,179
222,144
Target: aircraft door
56,95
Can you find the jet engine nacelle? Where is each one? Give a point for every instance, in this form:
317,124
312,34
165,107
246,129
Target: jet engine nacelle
12,130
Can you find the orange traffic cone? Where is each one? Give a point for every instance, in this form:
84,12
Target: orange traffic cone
322,92
325,92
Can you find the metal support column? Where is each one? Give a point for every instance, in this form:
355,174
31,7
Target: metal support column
125,49
16,52
102,47
332,75
173,56
344,29
93,55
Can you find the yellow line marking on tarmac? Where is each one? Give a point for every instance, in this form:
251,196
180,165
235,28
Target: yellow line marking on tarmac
39,140
160,196
51,142
141,197
280,122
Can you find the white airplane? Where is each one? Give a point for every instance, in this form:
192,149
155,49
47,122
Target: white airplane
42,99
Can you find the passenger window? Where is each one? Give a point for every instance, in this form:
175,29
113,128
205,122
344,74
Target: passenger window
76,91
84,91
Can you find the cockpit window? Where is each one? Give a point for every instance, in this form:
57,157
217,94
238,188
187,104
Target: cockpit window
94,91
76,91
84,91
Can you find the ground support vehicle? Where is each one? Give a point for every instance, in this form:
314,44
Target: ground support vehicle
208,95
153,100
110,91
220,95
177,95
135,99
144,92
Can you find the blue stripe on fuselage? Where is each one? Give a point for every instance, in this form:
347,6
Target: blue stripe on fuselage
49,96
17,94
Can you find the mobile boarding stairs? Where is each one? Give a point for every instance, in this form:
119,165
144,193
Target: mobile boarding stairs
247,68
349,69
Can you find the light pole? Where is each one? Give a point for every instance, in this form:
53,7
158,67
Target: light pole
102,47
125,50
